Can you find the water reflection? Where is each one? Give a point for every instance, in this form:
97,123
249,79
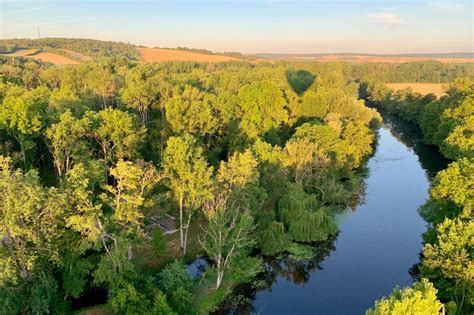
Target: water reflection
298,272
410,135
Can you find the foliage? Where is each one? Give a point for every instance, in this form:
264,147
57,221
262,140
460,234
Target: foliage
262,108
158,242
421,299
227,233
272,239
176,284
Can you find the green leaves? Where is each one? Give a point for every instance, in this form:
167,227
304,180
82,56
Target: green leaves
117,133
421,299
187,171
262,108
456,183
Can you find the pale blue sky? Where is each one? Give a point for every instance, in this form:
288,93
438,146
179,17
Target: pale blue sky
287,26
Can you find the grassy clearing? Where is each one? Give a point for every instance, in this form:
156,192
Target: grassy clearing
147,260
96,310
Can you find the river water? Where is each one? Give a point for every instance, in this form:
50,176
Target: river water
379,242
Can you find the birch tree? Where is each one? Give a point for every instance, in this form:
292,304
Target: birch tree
227,233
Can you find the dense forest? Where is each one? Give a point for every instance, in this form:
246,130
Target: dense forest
448,123
247,159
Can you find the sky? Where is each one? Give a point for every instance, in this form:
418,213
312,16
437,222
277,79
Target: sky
252,26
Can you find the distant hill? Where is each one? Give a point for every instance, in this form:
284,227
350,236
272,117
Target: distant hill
68,47
161,54
64,51
423,55
61,51
360,58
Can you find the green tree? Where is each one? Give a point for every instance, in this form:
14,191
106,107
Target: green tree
262,108
313,105
421,299
189,178
22,115
456,183
239,171
117,133
448,262
66,141
33,226
176,284
227,233
140,93
193,112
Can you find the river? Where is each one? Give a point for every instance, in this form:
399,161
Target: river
378,244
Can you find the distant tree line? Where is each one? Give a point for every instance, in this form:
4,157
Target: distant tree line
417,71
88,47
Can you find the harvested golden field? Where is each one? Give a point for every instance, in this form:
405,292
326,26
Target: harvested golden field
161,54
422,88
54,59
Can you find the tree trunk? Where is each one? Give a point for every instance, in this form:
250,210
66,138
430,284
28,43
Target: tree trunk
181,235
186,233
220,276
220,271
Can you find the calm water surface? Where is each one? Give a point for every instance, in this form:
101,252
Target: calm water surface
377,245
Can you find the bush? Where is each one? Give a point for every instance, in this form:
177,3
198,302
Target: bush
158,242
312,227
173,277
273,239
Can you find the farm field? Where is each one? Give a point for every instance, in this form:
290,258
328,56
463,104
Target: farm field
161,54
422,88
54,58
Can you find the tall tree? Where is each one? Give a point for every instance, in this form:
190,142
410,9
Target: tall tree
227,233
140,93
118,134
32,226
66,141
189,178
22,115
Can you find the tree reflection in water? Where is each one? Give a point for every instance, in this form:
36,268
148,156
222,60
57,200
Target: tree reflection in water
283,266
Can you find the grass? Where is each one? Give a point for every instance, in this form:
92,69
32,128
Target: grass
206,297
95,310
147,260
